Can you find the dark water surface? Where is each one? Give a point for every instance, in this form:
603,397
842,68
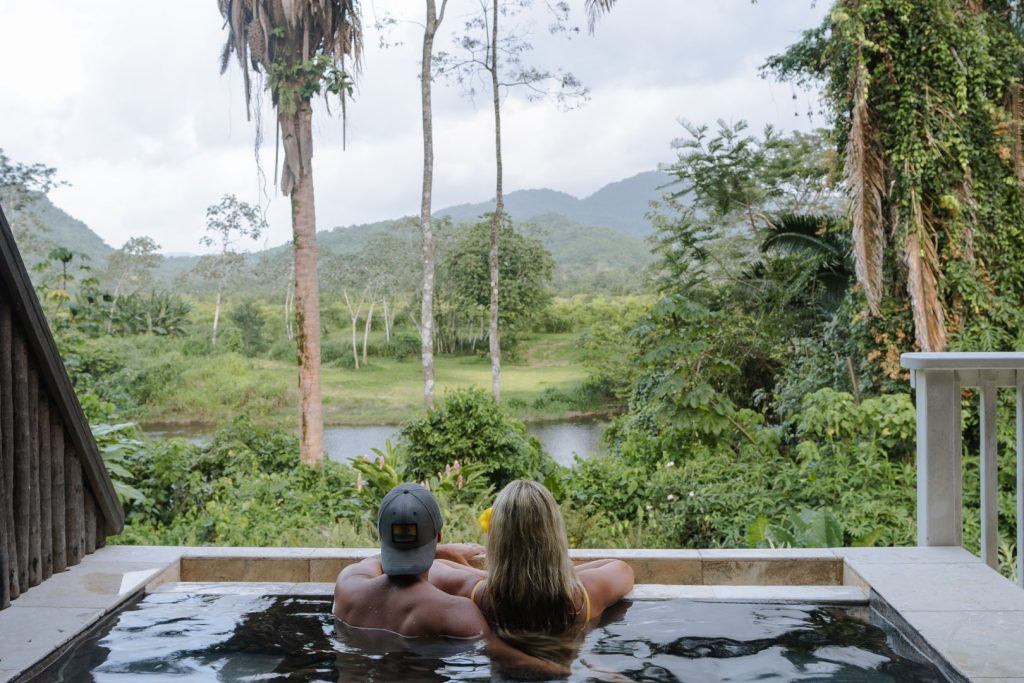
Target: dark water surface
183,637
561,438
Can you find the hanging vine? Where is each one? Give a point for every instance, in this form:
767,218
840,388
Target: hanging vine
924,98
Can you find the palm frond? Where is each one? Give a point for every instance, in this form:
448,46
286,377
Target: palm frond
804,233
922,262
865,178
595,8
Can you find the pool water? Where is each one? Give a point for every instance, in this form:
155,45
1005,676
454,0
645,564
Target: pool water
188,637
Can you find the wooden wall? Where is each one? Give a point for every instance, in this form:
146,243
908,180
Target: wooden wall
48,515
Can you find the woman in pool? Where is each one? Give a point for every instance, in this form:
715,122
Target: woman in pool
531,594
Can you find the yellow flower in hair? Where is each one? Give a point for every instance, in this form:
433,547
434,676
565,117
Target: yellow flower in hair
485,520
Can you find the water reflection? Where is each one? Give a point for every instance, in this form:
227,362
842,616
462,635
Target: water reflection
562,439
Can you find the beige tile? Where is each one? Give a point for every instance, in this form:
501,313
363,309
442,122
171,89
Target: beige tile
781,572
313,588
345,553
942,587
656,591
230,551
290,569
588,554
229,588
977,643
326,569
939,554
834,594
666,571
137,553
852,578
767,554
100,585
31,633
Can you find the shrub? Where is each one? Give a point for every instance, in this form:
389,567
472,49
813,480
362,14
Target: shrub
469,426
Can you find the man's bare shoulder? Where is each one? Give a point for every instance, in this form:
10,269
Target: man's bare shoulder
442,614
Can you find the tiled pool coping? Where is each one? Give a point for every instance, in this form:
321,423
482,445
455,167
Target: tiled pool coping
945,599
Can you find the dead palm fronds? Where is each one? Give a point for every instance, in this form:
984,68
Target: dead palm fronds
921,258
865,178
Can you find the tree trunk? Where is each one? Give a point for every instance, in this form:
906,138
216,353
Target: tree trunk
499,207
216,312
297,139
387,321
289,295
353,314
366,329
426,228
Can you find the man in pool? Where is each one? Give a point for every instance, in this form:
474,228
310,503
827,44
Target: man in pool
390,591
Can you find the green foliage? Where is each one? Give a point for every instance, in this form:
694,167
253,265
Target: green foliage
463,284
806,529
291,83
468,426
940,82
155,313
247,487
249,321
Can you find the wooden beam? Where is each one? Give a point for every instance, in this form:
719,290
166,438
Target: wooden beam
15,279
22,454
90,523
58,495
45,490
35,546
9,578
74,522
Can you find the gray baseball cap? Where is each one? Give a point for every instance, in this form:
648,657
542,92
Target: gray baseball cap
408,522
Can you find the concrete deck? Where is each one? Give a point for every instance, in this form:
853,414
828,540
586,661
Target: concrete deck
948,603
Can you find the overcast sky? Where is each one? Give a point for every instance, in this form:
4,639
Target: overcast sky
124,98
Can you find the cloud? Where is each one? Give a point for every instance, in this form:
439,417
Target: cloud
125,99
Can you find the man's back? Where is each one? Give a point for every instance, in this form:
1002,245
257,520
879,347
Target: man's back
365,597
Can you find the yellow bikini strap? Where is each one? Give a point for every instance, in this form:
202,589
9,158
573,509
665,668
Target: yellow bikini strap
586,603
472,593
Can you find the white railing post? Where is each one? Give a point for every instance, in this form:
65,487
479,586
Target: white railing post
939,471
989,484
939,379
1020,478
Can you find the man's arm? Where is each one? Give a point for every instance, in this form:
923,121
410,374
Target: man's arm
351,579
460,553
454,578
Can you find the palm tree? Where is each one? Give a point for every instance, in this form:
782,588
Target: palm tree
595,8
300,48
815,236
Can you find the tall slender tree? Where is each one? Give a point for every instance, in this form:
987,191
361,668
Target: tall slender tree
299,49
434,18
494,57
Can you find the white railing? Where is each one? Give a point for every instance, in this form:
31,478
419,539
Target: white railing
939,379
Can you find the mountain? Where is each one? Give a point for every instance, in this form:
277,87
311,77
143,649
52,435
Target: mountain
41,226
621,206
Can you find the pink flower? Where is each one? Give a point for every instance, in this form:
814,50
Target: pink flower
366,458
359,483
458,482
447,470
456,466
380,462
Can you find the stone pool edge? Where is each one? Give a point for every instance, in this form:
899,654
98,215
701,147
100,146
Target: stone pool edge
949,603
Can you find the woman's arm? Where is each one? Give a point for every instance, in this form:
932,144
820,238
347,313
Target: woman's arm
606,581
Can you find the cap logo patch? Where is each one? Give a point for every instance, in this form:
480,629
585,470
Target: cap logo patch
403,533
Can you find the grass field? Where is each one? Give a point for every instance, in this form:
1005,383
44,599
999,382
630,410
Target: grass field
540,384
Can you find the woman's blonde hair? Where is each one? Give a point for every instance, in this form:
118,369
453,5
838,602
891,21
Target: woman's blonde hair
532,588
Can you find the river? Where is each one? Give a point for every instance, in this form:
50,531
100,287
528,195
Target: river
561,438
